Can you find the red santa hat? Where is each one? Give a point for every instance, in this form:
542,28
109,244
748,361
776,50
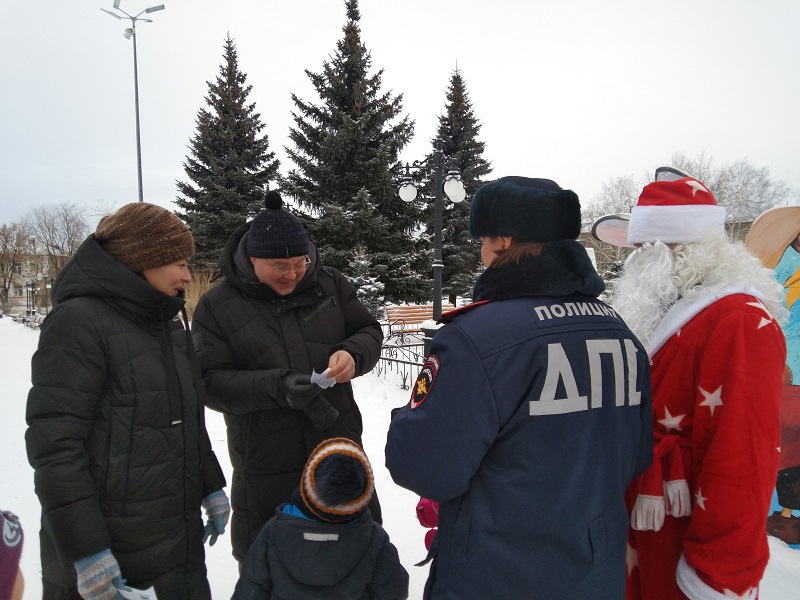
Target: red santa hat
678,211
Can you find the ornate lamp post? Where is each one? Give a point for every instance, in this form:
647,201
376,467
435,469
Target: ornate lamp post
31,289
34,292
129,33
48,291
449,183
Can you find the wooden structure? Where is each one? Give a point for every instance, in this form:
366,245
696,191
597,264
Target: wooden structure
409,318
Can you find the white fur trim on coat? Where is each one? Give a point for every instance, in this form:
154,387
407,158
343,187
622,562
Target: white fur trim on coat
696,589
684,311
648,513
674,224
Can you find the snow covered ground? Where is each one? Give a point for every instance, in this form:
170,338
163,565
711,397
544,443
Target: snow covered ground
376,396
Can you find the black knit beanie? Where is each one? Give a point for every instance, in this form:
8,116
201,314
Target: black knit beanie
275,232
337,482
526,209
145,236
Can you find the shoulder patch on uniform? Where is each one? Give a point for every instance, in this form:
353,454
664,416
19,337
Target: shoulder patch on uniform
424,382
448,316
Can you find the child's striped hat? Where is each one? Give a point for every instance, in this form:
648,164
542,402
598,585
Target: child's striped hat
337,482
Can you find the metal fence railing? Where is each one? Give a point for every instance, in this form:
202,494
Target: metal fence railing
403,353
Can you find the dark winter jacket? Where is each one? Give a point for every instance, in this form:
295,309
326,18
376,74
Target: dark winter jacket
294,557
528,421
248,338
116,431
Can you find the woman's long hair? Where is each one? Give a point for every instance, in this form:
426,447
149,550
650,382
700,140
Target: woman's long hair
516,252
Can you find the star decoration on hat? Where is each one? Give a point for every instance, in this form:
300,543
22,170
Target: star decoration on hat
700,500
696,186
712,399
670,422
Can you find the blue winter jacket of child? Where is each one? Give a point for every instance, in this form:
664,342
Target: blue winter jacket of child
297,557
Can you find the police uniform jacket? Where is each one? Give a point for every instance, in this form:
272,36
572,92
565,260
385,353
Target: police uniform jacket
527,423
248,338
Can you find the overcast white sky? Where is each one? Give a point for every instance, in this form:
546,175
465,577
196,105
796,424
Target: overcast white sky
577,91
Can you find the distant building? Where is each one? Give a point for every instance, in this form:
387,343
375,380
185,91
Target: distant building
30,288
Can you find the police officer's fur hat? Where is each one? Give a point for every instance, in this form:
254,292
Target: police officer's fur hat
526,209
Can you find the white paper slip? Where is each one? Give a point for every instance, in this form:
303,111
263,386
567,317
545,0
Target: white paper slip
322,379
133,594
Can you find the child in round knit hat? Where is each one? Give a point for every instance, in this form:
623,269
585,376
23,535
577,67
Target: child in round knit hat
325,540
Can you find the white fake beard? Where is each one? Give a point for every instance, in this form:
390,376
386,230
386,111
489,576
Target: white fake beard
646,289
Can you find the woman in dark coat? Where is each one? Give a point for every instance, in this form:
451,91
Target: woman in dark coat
278,316
116,431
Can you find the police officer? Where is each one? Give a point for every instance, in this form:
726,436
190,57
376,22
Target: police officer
530,416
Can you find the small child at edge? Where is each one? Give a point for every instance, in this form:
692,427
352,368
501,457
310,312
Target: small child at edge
324,542
12,582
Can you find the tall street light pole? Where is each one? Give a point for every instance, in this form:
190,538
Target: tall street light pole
129,33
453,187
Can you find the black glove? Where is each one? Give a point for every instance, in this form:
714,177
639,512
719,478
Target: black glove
321,413
299,391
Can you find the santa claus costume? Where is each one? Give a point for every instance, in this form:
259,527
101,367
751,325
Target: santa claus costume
706,312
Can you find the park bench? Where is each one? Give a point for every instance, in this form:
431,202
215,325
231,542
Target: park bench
409,318
34,322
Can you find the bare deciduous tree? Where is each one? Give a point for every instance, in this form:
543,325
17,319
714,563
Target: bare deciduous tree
743,189
618,195
14,242
59,229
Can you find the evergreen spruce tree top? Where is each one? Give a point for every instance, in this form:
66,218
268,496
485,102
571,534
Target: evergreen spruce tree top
344,181
457,136
229,164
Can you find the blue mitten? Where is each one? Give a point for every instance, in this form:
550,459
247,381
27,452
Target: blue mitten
99,577
218,511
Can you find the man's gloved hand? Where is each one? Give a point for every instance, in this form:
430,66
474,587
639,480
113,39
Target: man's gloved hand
218,511
321,413
99,577
299,391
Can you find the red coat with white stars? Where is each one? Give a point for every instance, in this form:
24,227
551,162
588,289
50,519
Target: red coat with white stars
716,386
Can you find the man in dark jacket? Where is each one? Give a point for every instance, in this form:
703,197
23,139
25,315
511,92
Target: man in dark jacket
279,316
531,414
116,428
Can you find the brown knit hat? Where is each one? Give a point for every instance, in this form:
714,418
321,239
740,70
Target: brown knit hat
145,236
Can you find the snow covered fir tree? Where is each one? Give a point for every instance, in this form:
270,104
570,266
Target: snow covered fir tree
368,288
457,137
344,181
229,165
